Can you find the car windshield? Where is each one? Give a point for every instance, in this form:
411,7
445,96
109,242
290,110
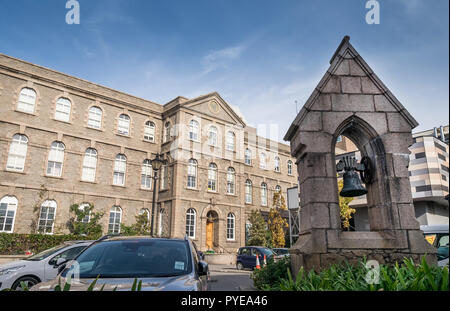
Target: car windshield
133,259
46,253
266,251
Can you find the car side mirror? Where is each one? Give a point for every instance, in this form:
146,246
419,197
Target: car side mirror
59,262
202,268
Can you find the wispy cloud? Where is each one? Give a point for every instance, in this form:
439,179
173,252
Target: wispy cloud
221,58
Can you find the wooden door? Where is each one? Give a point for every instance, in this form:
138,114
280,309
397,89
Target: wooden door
209,234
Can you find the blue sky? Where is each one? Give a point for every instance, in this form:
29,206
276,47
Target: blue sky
260,55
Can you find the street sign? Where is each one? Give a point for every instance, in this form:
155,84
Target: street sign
292,198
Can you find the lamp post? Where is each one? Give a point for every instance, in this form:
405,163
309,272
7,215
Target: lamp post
157,162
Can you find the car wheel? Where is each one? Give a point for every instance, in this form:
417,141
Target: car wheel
29,281
239,266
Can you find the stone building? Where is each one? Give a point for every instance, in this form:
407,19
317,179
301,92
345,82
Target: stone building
67,141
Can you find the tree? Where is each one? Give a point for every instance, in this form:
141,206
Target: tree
78,225
140,227
346,211
258,229
277,224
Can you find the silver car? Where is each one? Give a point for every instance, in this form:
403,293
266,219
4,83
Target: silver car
41,267
160,264
437,235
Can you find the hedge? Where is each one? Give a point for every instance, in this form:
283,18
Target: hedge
19,244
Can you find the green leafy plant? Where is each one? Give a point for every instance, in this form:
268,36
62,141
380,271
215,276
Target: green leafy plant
140,227
78,225
258,230
273,273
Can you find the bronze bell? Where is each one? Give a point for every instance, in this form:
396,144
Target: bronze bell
352,185
352,182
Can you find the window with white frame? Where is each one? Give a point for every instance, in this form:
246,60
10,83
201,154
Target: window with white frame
8,210
263,194
190,222
212,177
89,165
167,132
145,212
248,191
230,141
27,100
289,167
192,174
339,139
149,131
120,168
277,164
164,176
231,220
231,180
62,111
83,207
55,159
17,153
212,136
248,156
262,160
193,130
146,174
123,126
278,189
160,220
115,218
47,217
95,117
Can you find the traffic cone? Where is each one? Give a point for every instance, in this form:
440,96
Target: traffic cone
258,266
265,262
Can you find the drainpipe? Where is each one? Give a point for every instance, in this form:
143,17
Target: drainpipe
442,134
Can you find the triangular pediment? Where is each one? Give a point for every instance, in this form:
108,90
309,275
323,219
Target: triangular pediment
350,85
215,106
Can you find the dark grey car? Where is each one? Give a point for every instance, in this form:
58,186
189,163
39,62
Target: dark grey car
161,264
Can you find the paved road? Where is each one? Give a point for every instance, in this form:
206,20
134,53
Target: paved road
230,280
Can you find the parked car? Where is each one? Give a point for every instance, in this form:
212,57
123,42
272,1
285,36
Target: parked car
41,267
161,264
282,252
246,256
437,236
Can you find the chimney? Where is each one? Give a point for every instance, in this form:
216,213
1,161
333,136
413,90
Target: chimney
442,134
435,132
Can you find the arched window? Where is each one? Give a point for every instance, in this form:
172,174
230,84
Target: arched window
149,131
120,168
123,126
27,100
263,194
193,130
248,156
262,160
166,131
248,191
230,141
192,174
231,226
277,164
83,207
8,210
62,111
190,222
115,218
231,180
89,165
17,153
146,174
145,212
95,117
289,167
47,217
164,176
56,159
278,188
212,177
212,136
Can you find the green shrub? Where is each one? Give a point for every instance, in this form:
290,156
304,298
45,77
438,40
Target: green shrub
18,244
344,277
273,273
